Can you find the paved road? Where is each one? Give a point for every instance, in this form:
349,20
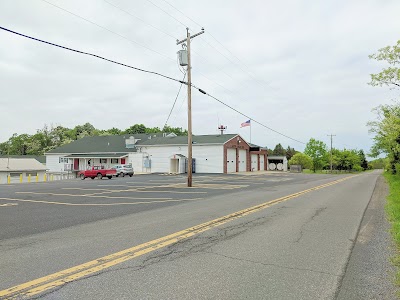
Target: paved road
294,242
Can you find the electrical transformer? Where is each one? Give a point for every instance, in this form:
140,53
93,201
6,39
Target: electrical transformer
183,57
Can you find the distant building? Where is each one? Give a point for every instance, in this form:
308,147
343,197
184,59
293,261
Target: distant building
39,158
277,163
21,169
159,153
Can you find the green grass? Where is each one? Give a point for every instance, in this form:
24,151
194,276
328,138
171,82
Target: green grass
308,171
393,212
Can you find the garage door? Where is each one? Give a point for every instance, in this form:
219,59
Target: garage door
262,167
231,160
254,162
242,160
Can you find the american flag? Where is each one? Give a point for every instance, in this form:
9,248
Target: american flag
247,123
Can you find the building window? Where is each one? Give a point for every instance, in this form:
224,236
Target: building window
103,160
31,174
15,174
63,160
114,160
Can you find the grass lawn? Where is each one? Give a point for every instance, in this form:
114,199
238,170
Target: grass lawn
393,211
308,171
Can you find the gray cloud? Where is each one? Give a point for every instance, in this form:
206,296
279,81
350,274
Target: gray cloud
308,62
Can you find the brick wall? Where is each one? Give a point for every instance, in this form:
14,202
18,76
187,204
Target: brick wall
237,143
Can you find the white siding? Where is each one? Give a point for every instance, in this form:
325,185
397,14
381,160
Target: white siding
209,158
53,164
242,160
231,160
137,161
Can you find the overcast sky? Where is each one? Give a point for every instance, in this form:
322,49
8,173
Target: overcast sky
300,67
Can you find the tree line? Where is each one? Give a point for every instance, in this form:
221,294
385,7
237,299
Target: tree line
50,137
316,156
279,150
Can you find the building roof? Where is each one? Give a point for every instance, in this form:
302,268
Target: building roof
97,144
254,145
277,157
39,158
20,164
183,140
96,155
115,144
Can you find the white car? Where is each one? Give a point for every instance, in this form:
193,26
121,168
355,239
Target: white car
123,170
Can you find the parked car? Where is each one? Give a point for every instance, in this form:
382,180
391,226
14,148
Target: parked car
97,171
123,170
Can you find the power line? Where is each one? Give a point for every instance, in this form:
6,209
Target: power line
236,64
109,30
91,54
140,19
183,13
235,57
250,118
166,33
167,13
176,98
249,73
150,72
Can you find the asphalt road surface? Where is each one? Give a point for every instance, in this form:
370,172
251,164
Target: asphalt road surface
264,236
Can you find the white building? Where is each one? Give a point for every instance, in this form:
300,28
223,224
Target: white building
277,163
159,153
21,170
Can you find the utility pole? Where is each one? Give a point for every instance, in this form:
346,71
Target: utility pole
331,135
189,84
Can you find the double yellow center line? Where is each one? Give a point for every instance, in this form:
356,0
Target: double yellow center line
58,279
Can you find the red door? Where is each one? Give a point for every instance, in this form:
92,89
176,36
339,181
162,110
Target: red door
76,164
122,161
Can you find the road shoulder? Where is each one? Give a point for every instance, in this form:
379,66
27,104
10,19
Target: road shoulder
369,273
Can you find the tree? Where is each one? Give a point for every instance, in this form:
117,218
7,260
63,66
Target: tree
380,163
112,131
136,129
348,160
317,151
387,133
301,159
279,150
363,160
290,152
387,126
391,75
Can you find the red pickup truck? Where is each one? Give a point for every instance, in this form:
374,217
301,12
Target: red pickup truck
99,172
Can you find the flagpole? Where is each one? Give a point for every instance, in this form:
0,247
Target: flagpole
250,131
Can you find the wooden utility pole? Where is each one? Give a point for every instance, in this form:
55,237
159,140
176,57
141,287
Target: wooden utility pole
189,83
331,135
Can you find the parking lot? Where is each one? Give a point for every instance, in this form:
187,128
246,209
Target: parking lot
33,208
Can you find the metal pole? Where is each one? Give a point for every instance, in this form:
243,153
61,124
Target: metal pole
250,131
190,145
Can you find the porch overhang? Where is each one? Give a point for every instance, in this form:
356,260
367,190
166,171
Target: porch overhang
98,155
